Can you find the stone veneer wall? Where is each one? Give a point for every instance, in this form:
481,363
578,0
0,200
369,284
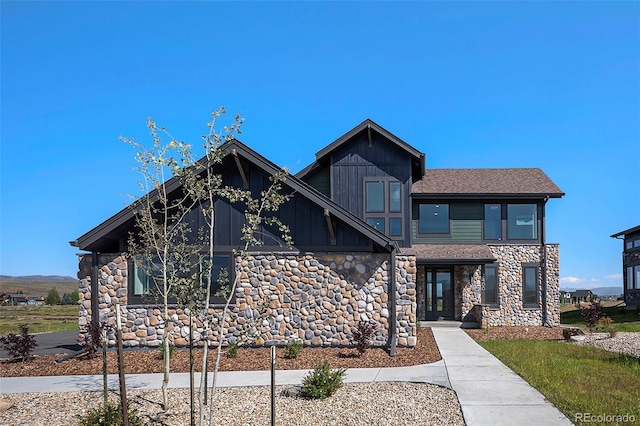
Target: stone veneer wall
511,311
318,299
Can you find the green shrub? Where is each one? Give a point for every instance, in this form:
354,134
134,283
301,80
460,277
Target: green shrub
109,415
172,351
322,382
232,351
293,348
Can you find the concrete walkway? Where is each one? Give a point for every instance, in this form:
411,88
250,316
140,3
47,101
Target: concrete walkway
488,391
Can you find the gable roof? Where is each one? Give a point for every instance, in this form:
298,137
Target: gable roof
626,231
125,217
520,183
417,157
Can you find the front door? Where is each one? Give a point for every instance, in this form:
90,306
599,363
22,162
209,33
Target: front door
439,294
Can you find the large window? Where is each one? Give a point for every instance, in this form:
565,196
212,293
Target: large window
433,219
383,205
522,221
492,221
530,286
490,286
633,277
146,281
375,197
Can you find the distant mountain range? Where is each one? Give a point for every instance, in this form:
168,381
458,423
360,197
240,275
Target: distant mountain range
39,278
600,291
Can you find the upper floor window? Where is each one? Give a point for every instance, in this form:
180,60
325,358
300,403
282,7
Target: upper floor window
631,243
374,194
522,221
383,205
433,219
492,221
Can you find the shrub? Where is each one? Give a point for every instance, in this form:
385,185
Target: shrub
19,346
363,336
591,315
232,352
94,337
172,351
110,415
606,324
293,348
322,382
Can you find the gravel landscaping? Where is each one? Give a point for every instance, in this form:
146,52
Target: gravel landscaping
353,404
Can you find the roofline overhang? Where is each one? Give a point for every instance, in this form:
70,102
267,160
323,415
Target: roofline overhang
485,196
474,261
291,181
626,231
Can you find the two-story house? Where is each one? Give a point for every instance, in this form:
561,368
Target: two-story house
376,237
631,265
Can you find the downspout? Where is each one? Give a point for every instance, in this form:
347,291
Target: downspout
392,301
545,310
95,315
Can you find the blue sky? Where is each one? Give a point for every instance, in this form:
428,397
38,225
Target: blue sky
554,85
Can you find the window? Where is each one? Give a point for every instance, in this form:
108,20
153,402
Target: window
490,286
146,281
433,219
633,277
530,286
395,204
492,222
376,222
395,226
375,196
522,221
631,243
383,205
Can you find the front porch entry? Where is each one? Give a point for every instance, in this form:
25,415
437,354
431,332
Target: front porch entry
436,300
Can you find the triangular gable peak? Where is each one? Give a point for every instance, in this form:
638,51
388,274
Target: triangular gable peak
323,221
374,133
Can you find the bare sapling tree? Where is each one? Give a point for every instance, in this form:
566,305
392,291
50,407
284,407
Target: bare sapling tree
260,213
164,246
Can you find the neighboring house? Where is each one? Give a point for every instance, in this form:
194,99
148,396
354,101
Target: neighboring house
18,299
376,237
631,265
580,296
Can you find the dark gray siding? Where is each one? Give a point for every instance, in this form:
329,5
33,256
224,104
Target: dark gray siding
360,159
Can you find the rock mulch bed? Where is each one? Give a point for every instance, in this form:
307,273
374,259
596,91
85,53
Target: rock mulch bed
363,403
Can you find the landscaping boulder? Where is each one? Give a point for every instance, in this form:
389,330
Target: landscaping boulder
573,333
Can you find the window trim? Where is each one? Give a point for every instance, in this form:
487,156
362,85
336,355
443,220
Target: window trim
536,304
495,304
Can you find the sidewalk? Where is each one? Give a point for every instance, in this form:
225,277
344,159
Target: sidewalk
489,393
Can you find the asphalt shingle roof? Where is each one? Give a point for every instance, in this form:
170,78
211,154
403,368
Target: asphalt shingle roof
453,253
520,182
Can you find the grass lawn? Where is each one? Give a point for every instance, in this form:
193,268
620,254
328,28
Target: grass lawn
623,320
576,379
39,318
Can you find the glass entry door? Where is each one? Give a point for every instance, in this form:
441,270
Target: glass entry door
439,294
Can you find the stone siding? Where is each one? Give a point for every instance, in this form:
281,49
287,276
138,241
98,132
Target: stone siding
510,310
317,299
